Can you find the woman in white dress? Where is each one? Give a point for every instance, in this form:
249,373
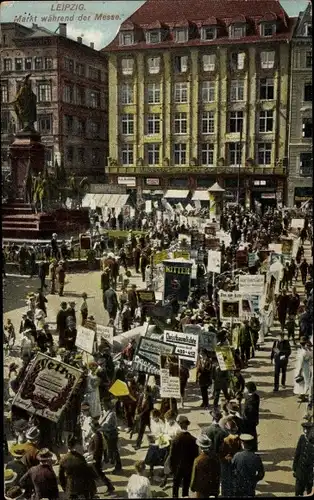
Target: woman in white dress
155,455
92,396
172,428
303,376
266,321
139,485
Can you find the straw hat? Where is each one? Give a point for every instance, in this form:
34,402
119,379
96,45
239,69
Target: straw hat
14,493
9,476
46,455
17,450
203,442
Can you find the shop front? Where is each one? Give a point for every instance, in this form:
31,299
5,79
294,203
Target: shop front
303,194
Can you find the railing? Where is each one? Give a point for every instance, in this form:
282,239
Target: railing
151,170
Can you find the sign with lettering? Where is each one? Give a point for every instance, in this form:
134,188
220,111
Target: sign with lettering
177,278
214,261
146,296
250,283
230,306
212,243
105,332
127,181
85,339
225,358
186,344
169,376
47,387
147,347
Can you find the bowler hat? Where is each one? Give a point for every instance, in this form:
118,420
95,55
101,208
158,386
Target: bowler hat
203,442
182,419
32,434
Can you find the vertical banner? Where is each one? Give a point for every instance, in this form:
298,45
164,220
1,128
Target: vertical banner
169,376
177,280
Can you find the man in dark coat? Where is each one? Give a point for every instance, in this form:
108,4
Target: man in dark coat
294,302
251,413
303,460
111,302
206,470
75,477
247,469
62,323
304,270
282,308
137,256
143,264
97,449
132,299
183,452
204,376
214,432
142,415
280,353
60,272
42,273
43,477
221,382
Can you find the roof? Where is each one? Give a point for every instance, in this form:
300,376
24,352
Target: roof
175,13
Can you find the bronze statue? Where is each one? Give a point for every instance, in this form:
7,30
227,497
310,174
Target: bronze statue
25,105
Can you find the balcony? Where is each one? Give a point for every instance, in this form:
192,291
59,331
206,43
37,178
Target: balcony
192,170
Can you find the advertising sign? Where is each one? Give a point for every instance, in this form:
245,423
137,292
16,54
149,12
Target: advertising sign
85,339
250,283
177,280
230,306
169,376
105,332
225,358
150,350
186,344
286,247
146,296
47,387
214,261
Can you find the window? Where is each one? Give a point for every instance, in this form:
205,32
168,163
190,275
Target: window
153,124
208,122
127,154
266,90
308,29
180,123
94,129
153,154
153,93
95,156
267,59
127,124
126,93
44,92
237,90
264,153
153,65
44,123
49,157
126,38
80,95
237,60
38,63
7,65
209,61
153,36
235,121
127,66
48,63
69,64
69,154
307,128
5,121
209,33
94,100
94,73
180,92
81,155
28,63
308,59
267,29
307,92
208,91
179,154
234,153
208,154
181,35
306,164
237,31
81,127
266,121
68,124
68,93
181,64
4,92
19,64
80,69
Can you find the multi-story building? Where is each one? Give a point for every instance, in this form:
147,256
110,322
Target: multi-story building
301,118
70,80
199,93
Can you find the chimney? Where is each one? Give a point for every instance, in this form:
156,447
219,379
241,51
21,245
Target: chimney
35,26
63,29
80,39
91,45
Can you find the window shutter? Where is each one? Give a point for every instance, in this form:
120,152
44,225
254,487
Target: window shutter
241,59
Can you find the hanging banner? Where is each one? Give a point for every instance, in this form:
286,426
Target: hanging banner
177,278
106,333
85,339
230,306
214,261
225,358
181,254
186,344
47,387
169,376
250,283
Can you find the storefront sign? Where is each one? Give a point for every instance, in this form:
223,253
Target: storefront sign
152,182
268,196
106,189
47,387
127,181
303,193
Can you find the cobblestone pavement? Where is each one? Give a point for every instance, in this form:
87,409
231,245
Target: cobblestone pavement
280,414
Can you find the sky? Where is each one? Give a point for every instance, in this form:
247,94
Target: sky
88,19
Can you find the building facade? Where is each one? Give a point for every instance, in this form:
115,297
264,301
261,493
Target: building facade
300,178
70,80
199,93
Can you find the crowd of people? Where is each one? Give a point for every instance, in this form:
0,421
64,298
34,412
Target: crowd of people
223,458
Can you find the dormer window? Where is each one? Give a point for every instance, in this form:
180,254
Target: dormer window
268,29
126,38
181,35
209,33
153,36
308,29
237,31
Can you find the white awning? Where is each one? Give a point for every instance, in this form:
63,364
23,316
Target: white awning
105,200
177,193
200,196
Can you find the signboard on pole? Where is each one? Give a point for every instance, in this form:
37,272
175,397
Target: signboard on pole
106,333
177,280
169,376
85,339
230,306
252,259
214,261
186,344
250,283
47,387
146,296
225,358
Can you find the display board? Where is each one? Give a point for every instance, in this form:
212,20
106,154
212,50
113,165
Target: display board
169,376
186,344
85,339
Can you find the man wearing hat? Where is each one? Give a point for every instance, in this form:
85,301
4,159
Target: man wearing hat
17,451
251,412
214,432
233,409
280,353
247,468
14,493
230,446
206,470
60,273
44,480
61,323
303,460
31,447
97,448
183,452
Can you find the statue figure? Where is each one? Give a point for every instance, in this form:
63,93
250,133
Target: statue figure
25,105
